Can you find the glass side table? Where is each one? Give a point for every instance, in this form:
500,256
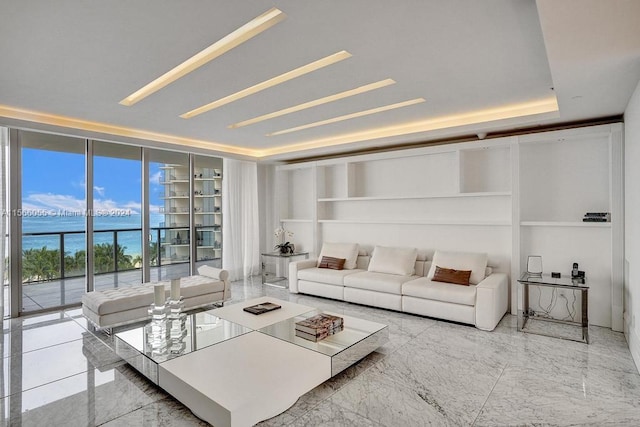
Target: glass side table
563,282
274,267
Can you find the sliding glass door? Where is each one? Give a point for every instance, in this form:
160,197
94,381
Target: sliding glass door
169,214
53,220
98,215
117,218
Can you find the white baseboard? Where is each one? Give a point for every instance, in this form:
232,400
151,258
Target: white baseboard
633,339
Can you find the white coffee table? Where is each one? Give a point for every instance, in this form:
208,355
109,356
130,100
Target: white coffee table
254,367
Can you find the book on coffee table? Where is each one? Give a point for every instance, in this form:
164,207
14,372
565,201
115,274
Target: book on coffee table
319,323
262,308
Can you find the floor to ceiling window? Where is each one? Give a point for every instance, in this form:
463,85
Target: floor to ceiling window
208,210
53,220
117,215
90,213
169,214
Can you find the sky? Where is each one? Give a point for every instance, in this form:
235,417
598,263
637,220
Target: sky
54,181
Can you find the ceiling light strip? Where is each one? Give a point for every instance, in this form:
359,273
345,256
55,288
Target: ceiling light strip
104,128
315,103
350,116
305,69
531,109
237,37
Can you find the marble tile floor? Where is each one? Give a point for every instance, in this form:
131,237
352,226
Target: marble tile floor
57,373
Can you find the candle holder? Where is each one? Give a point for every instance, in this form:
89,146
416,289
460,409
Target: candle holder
176,319
156,331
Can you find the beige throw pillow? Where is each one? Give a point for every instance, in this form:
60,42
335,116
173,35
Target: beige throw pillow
400,261
348,251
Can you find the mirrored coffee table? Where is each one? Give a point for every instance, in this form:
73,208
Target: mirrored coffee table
358,339
238,369
203,330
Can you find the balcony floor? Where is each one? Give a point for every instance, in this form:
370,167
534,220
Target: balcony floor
55,293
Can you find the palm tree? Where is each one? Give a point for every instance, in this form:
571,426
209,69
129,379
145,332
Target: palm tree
103,258
40,264
75,265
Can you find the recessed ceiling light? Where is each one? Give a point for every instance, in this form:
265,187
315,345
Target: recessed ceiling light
289,75
315,103
506,112
225,44
127,132
350,116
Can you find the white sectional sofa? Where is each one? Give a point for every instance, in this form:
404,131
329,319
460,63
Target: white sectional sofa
401,279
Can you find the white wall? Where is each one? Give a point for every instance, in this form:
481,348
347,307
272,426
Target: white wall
632,224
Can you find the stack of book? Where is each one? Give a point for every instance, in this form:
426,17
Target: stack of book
319,327
597,217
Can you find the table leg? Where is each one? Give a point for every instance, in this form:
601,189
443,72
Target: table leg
525,305
585,315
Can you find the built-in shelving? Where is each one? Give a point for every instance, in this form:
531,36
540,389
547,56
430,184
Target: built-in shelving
414,222
418,197
509,197
565,224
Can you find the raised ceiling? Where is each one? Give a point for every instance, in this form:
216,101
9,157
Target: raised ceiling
479,66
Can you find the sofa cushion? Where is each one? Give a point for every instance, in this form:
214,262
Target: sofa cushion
379,282
192,286
348,251
118,299
476,262
449,275
332,263
388,260
325,275
439,291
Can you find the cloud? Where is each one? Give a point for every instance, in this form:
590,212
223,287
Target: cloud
155,178
65,203
99,190
53,202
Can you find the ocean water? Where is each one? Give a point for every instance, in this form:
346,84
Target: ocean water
74,242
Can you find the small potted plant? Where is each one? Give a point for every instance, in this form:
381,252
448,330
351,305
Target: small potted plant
285,248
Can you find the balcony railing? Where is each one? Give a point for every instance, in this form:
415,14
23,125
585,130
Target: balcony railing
44,263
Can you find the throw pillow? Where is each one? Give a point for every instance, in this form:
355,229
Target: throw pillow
449,275
332,263
348,251
476,262
399,261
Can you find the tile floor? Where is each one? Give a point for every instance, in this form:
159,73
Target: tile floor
57,373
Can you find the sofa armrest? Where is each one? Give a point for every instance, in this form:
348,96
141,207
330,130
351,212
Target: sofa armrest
217,274
296,266
214,273
492,296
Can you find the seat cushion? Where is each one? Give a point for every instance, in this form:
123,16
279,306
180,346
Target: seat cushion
126,298
439,291
379,282
192,286
118,299
476,262
325,275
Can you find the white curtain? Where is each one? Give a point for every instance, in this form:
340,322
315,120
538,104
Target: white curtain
240,221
